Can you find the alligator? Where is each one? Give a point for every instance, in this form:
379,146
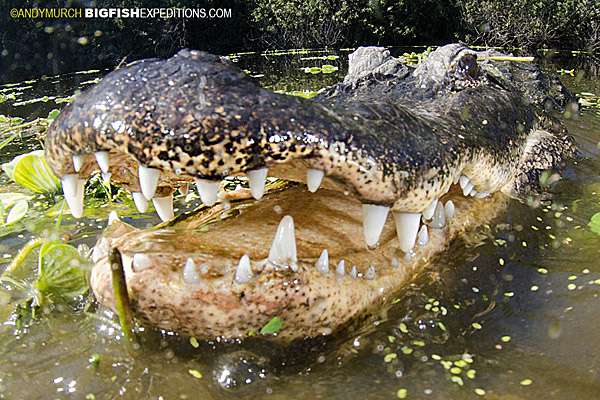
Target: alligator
443,145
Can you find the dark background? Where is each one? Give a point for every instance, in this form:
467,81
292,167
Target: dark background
32,48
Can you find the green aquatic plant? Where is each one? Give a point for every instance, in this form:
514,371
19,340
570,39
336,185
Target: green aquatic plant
324,69
31,171
61,278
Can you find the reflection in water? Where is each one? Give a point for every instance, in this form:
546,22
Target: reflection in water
509,312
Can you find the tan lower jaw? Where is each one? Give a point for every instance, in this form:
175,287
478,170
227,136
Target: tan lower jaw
187,278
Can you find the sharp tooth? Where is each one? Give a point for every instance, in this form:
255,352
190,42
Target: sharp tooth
428,212
140,262
208,191
69,184
323,262
482,195
370,275
467,189
283,249
423,236
164,207
407,226
148,180
141,203
112,217
449,209
257,179
102,159
75,202
243,273
439,217
463,181
184,189
106,177
353,272
313,179
190,273
77,162
374,217
341,268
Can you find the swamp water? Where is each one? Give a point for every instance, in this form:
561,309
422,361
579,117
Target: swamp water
512,314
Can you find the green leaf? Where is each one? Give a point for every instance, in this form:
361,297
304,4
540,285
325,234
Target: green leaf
31,171
594,223
53,114
273,326
62,274
17,212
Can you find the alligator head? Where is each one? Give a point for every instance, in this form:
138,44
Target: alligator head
442,146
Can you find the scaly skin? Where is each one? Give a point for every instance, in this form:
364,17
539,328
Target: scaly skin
388,135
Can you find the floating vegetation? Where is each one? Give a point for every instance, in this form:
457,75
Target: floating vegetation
306,94
329,57
324,69
416,58
31,171
272,327
590,101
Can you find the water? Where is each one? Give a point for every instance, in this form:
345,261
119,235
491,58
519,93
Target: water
512,314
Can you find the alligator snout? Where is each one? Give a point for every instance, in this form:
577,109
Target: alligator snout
428,147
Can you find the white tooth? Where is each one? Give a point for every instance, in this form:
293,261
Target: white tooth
449,208
353,272
140,262
467,189
102,159
423,236
106,177
112,217
148,180
257,180
141,203
374,217
428,212
76,202
313,179
69,184
341,268
208,191
190,273
77,162
463,181
482,195
323,262
243,273
283,249
164,207
407,226
370,275
473,192
439,217
184,189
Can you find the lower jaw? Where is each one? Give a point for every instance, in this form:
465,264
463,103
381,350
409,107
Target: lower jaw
310,301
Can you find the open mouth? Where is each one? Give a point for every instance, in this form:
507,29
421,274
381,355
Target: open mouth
382,172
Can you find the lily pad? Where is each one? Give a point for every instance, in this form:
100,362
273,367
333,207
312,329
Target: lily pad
31,171
62,274
17,212
594,223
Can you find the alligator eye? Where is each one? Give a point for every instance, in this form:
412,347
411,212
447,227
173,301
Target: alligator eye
467,66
